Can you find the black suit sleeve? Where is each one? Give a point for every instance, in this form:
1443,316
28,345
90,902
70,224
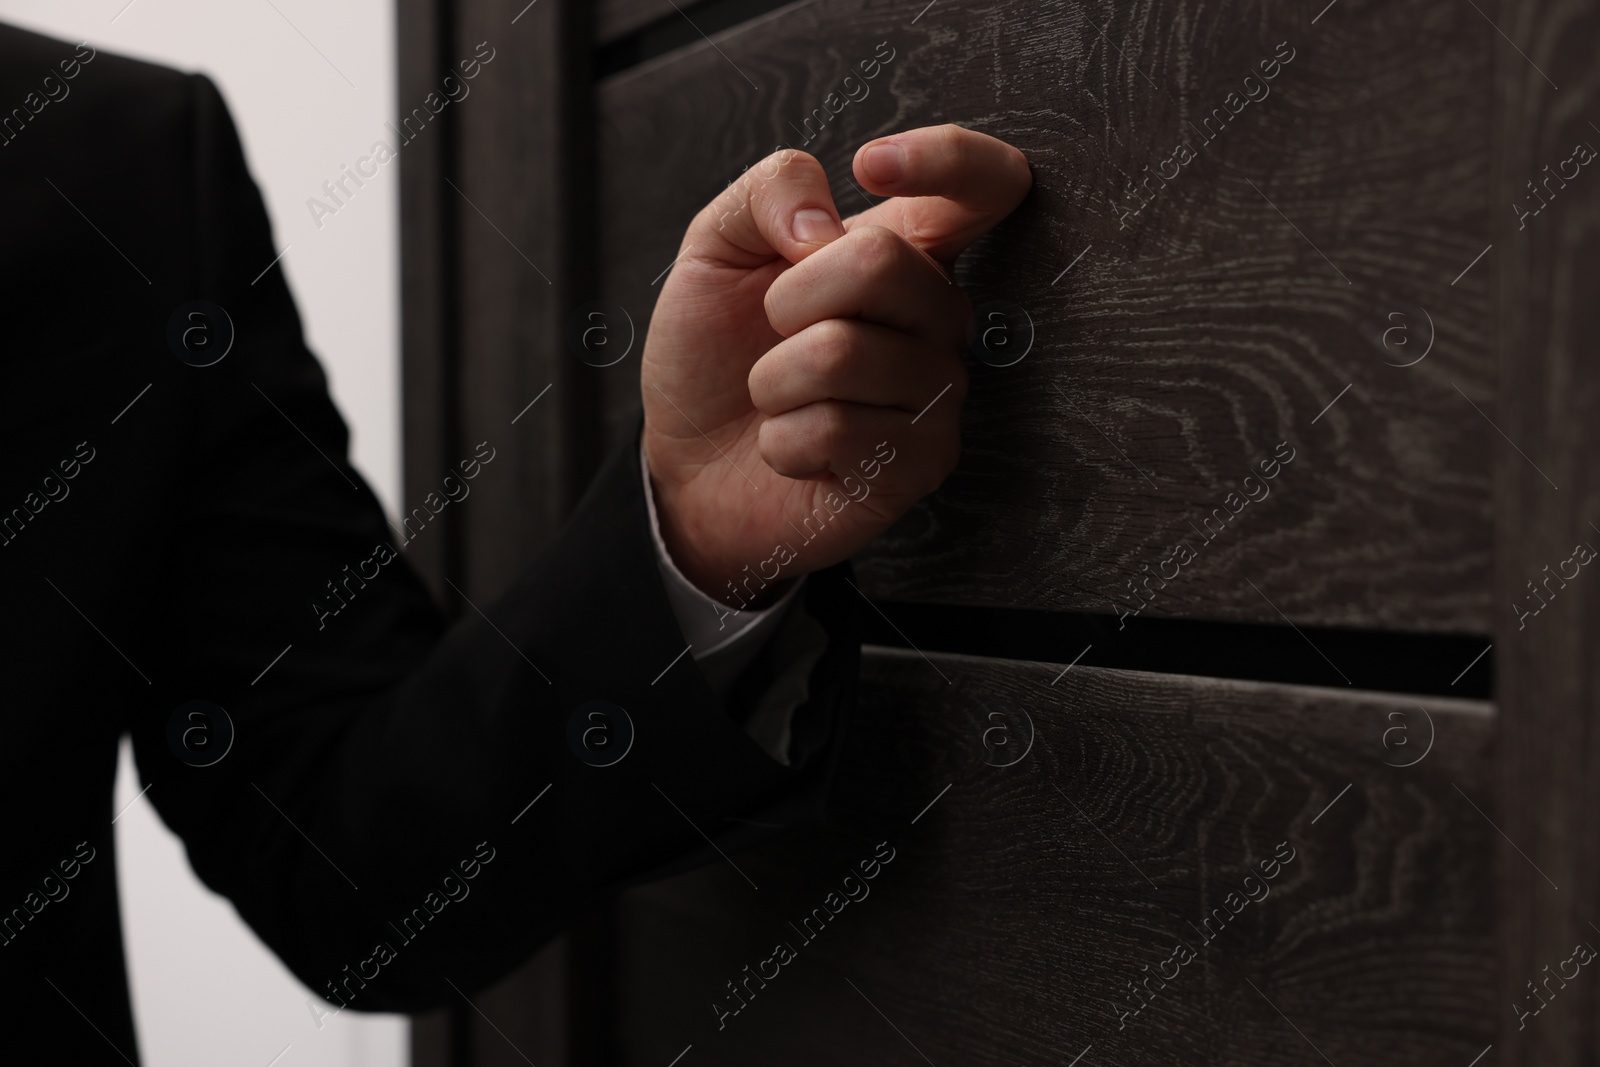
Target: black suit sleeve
371,820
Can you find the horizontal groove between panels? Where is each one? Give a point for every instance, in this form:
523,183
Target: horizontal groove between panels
685,26
1442,665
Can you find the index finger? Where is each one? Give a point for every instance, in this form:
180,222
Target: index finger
950,186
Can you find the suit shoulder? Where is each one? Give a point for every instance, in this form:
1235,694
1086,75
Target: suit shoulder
107,85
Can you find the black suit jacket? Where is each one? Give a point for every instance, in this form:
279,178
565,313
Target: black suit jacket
164,531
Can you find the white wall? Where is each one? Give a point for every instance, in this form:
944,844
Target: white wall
205,990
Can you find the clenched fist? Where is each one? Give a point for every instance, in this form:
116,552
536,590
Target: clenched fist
802,377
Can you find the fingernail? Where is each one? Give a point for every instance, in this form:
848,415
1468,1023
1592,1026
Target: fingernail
815,226
884,163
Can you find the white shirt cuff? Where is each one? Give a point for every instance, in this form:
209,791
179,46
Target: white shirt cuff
722,640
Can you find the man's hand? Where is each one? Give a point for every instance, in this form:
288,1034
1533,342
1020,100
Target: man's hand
802,377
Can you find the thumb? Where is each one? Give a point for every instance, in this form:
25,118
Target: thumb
780,207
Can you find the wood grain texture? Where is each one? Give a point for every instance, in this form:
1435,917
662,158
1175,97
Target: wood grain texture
1181,347
523,261
618,18
496,224
1021,903
1548,270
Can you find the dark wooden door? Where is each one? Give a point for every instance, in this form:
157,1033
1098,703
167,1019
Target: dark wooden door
1207,715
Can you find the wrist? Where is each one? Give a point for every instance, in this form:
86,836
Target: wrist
690,552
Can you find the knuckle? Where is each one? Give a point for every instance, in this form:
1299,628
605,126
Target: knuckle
835,348
751,186
787,159
878,251
786,166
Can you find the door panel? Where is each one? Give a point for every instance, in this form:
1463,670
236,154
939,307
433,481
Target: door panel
1303,252
1022,900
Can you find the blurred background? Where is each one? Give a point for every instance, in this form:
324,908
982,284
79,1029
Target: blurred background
310,87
